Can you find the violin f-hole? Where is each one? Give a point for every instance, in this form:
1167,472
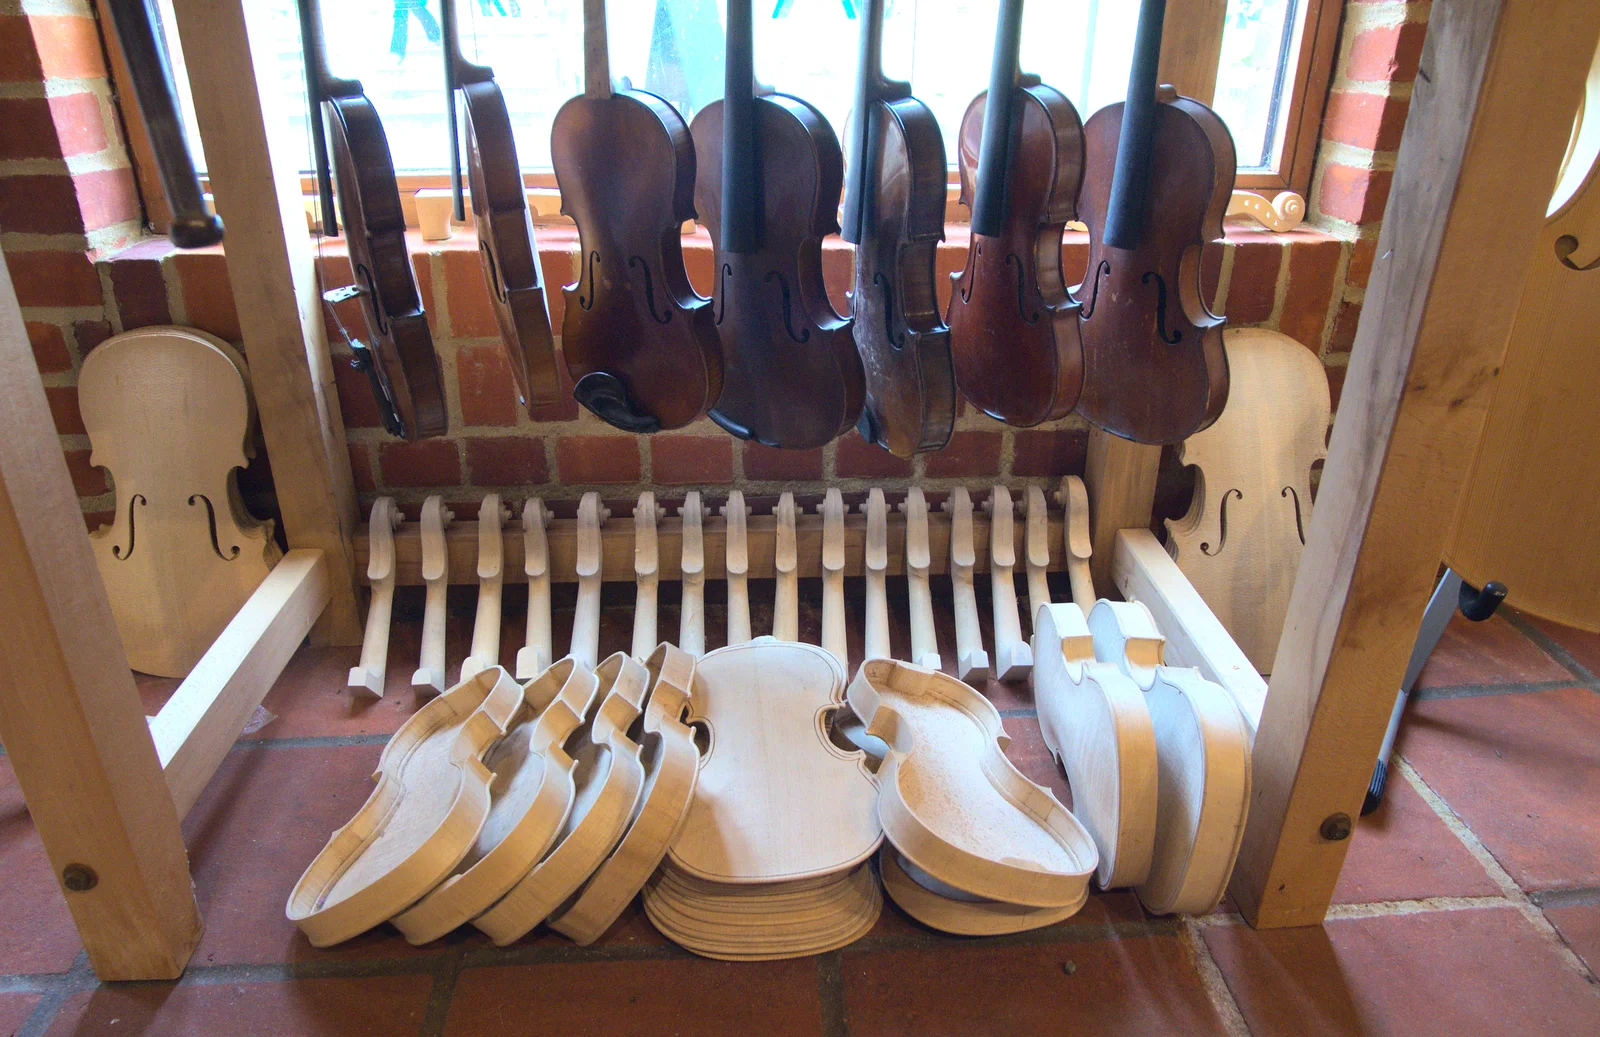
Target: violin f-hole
804,335
722,290
649,291
1222,523
370,288
897,339
1022,290
211,522
1299,519
1102,269
590,260
1161,308
117,552
496,285
966,289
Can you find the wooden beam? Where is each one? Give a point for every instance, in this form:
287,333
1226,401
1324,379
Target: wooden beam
1120,476
200,722
1490,117
1191,47
254,161
69,713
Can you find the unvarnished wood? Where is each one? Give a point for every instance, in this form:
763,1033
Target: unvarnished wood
972,662
736,566
786,561
1036,551
429,678
833,628
949,910
918,562
876,639
367,677
647,572
585,645
492,516
70,717
1481,147
692,563
1013,660
1120,476
1074,499
535,655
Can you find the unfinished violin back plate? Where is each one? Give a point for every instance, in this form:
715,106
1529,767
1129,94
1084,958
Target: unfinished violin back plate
1203,792
169,414
1125,635
949,910
1095,722
776,799
419,823
950,801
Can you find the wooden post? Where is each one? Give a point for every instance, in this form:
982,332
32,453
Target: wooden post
69,713
253,164
1191,47
1490,118
1121,478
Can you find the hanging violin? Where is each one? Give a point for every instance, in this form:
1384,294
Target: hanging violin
894,215
639,342
1160,173
767,182
506,244
400,361
1013,326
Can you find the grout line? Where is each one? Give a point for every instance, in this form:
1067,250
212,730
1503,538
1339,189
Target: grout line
312,742
61,987
1552,649
446,973
1466,691
1211,977
830,995
1566,897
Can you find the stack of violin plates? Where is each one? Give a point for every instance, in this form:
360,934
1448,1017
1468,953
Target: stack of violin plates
774,860
972,846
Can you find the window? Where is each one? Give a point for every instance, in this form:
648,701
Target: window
1265,79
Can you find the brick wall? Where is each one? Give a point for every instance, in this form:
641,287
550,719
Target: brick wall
69,216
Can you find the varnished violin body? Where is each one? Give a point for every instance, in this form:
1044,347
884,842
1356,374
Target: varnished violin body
1013,326
639,342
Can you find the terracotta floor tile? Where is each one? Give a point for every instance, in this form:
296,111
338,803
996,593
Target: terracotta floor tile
261,820
38,934
374,1007
1491,652
1130,986
1032,757
1448,973
14,1011
1582,645
1521,771
1579,925
1404,851
621,998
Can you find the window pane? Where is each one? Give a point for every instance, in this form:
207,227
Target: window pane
1252,76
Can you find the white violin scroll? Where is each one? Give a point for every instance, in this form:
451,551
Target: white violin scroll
734,513
585,645
1036,548
1095,722
877,565
972,662
924,642
833,622
786,561
1125,635
1284,212
492,517
1073,497
169,414
1013,660
535,655
692,614
366,678
647,573
436,518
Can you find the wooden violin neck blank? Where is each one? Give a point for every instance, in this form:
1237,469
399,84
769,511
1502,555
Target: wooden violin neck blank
596,51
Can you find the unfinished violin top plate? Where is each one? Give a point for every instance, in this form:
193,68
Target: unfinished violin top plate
950,801
431,802
777,799
949,910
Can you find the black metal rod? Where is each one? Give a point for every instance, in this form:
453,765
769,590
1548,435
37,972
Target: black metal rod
994,155
452,53
1130,182
740,232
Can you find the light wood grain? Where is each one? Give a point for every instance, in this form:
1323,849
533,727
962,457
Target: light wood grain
785,563
876,639
1036,551
367,677
585,646
535,655
1013,660
940,907
1074,499
736,568
972,662
833,626
1191,47
492,517
429,676
647,574
1125,634
1120,477
918,563
692,612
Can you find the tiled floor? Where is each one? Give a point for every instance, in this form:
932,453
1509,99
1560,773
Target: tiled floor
1469,904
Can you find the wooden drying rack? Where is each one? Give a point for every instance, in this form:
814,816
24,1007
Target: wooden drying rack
1487,129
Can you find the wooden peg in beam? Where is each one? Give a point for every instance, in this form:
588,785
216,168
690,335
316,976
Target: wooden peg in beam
647,573
492,518
972,662
734,514
535,656
833,625
1013,659
877,565
367,678
692,614
429,678
1037,548
786,561
924,641
586,621
1073,497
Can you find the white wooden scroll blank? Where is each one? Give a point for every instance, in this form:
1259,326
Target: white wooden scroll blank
692,614
367,677
833,625
647,573
536,654
924,642
972,662
786,561
1013,659
429,677
1073,497
492,517
1283,213
877,564
1036,551
585,645
738,568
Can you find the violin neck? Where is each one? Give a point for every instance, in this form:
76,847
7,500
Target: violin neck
739,209
320,87
871,87
1130,182
596,51
994,155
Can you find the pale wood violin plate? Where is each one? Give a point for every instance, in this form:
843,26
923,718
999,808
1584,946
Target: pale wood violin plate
953,804
431,802
937,908
753,927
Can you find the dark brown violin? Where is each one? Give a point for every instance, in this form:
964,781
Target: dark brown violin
640,343
397,351
1160,172
506,245
894,215
1013,327
767,184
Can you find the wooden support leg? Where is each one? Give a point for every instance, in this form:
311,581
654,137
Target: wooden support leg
1489,122
69,713
1121,478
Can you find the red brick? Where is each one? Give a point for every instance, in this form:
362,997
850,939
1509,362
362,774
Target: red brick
361,468
108,196
357,406
427,462
471,309
141,292
208,293
1048,452
19,61
1310,293
1389,53
691,460
422,270
1253,286
968,454
90,333
80,124
1344,328
583,460
54,278
1335,388
1362,253
87,479
699,261
838,272
855,458
1365,120
63,401
27,129
49,347
487,395
40,204
506,461
557,265
1074,257
68,47
1356,195
769,464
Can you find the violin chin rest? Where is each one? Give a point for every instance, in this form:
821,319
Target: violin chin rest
738,431
605,395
